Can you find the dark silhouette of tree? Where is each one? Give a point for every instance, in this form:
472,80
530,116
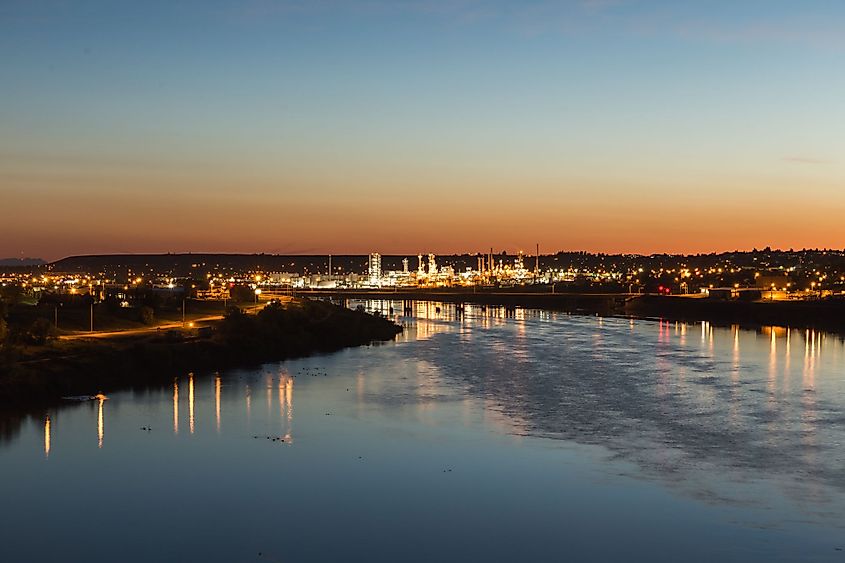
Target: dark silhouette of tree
39,332
242,293
12,294
4,325
146,315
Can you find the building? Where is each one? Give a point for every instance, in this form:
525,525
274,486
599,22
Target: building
772,281
374,269
213,293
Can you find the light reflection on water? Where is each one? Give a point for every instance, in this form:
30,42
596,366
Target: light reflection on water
100,422
175,406
47,436
217,385
191,403
678,410
734,434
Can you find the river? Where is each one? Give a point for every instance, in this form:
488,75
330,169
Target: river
478,435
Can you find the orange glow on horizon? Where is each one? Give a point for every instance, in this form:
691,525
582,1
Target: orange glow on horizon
608,220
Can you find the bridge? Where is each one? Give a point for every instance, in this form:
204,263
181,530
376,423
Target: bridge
602,303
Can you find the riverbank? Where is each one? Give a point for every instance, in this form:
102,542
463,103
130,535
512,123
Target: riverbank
823,314
87,366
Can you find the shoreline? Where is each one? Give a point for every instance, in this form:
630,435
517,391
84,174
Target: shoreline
822,315
95,365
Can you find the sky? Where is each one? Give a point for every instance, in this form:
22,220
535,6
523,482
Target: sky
323,126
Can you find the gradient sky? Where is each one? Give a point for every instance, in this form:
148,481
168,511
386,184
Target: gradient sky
420,125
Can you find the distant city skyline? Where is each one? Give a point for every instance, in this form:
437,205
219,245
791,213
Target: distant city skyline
286,127
499,253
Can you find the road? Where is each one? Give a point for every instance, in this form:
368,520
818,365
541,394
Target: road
153,329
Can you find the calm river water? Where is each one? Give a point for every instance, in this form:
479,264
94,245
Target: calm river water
487,436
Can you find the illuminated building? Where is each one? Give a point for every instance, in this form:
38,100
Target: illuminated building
432,265
374,269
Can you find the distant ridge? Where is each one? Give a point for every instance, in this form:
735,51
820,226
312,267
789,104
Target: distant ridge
7,262
198,265
183,264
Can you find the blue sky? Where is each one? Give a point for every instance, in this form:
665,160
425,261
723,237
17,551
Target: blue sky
600,125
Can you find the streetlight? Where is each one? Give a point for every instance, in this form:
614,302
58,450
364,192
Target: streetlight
91,316
257,293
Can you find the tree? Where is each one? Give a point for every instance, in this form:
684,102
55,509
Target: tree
152,300
146,315
12,294
4,326
39,331
242,293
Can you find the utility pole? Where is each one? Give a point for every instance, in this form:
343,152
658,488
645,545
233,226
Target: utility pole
56,314
183,310
92,315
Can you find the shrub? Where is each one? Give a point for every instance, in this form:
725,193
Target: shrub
146,315
39,332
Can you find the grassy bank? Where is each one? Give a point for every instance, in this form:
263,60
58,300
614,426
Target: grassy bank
87,366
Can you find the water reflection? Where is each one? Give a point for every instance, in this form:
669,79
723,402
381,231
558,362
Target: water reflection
285,387
286,406
677,408
424,319
191,402
11,422
217,385
175,406
47,436
711,416
100,425
669,404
